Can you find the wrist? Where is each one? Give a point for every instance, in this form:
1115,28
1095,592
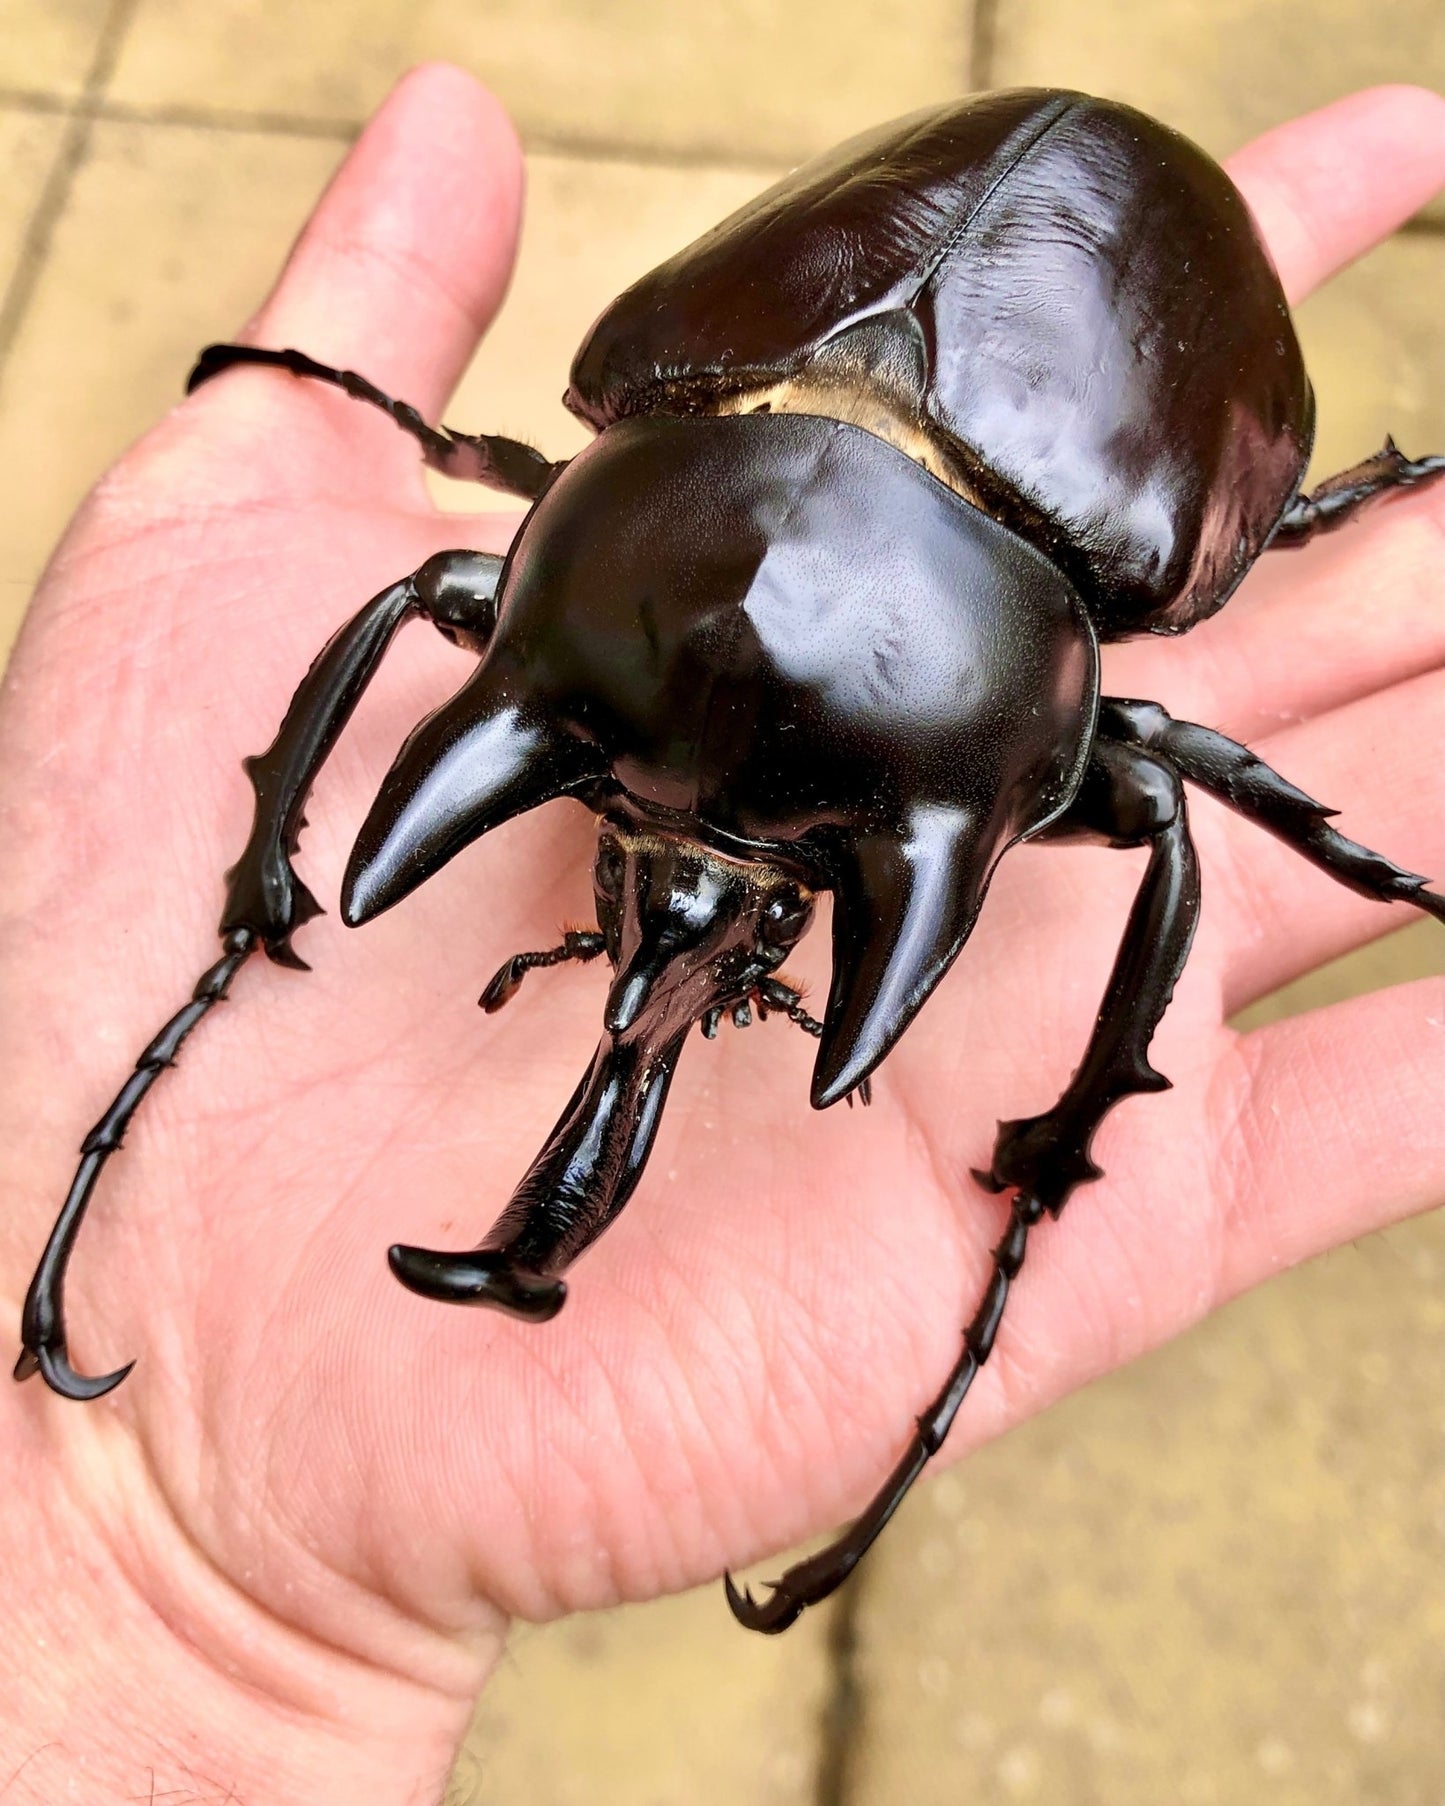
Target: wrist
134,1667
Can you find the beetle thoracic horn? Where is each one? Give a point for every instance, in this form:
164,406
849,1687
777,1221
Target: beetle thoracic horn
481,758
902,907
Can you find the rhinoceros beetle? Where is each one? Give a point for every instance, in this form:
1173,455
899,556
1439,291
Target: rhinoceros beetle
880,461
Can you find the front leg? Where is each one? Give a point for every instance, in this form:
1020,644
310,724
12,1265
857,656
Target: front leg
265,902
456,591
1127,799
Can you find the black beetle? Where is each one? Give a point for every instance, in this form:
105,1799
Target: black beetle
880,462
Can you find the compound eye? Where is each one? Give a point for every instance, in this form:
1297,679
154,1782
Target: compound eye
783,918
610,870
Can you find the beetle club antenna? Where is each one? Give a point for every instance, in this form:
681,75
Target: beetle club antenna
43,1324
577,943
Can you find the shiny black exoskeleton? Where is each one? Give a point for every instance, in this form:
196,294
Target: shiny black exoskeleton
880,461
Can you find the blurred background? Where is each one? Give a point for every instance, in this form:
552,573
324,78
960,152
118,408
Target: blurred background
1217,1577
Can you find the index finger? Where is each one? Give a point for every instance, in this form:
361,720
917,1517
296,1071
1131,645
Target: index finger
1326,187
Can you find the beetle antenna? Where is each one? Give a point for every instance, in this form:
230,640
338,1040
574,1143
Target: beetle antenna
577,943
43,1323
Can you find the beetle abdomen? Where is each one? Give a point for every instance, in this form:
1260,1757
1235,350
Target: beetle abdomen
1104,357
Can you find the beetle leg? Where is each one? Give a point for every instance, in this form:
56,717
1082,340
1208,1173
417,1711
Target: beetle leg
1232,773
473,457
265,900
1128,799
43,1324
577,943
1339,498
809,1582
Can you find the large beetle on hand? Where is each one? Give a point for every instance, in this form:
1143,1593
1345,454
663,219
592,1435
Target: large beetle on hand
880,461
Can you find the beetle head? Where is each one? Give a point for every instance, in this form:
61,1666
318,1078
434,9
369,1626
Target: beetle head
688,930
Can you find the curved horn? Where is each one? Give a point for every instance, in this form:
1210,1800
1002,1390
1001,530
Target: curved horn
475,762
902,908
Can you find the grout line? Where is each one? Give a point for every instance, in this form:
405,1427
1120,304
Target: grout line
74,145
983,45
123,112
843,1707
33,100
304,125
603,150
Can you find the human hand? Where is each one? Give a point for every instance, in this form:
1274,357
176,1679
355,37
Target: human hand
338,1487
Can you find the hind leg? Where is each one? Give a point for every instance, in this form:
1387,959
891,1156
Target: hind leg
474,457
1340,498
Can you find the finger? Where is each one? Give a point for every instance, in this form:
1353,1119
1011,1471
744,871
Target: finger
1332,1127
406,257
1327,186
1312,630
1269,915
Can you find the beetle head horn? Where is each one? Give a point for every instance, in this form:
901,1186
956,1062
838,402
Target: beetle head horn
486,755
902,907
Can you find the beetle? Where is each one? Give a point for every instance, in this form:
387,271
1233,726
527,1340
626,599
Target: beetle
879,463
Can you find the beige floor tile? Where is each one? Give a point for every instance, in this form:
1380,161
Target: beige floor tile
590,230
749,78
1414,952
1374,342
172,235
1220,70
28,143
1215,1578
667,1704
46,46
168,241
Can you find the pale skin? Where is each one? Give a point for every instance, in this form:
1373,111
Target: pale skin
282,1557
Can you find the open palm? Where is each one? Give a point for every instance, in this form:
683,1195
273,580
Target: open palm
741,1357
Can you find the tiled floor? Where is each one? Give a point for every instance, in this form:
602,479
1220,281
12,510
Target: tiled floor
1216,1577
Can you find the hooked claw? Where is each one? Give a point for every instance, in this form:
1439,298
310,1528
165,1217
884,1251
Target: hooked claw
53,1364
770,1615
